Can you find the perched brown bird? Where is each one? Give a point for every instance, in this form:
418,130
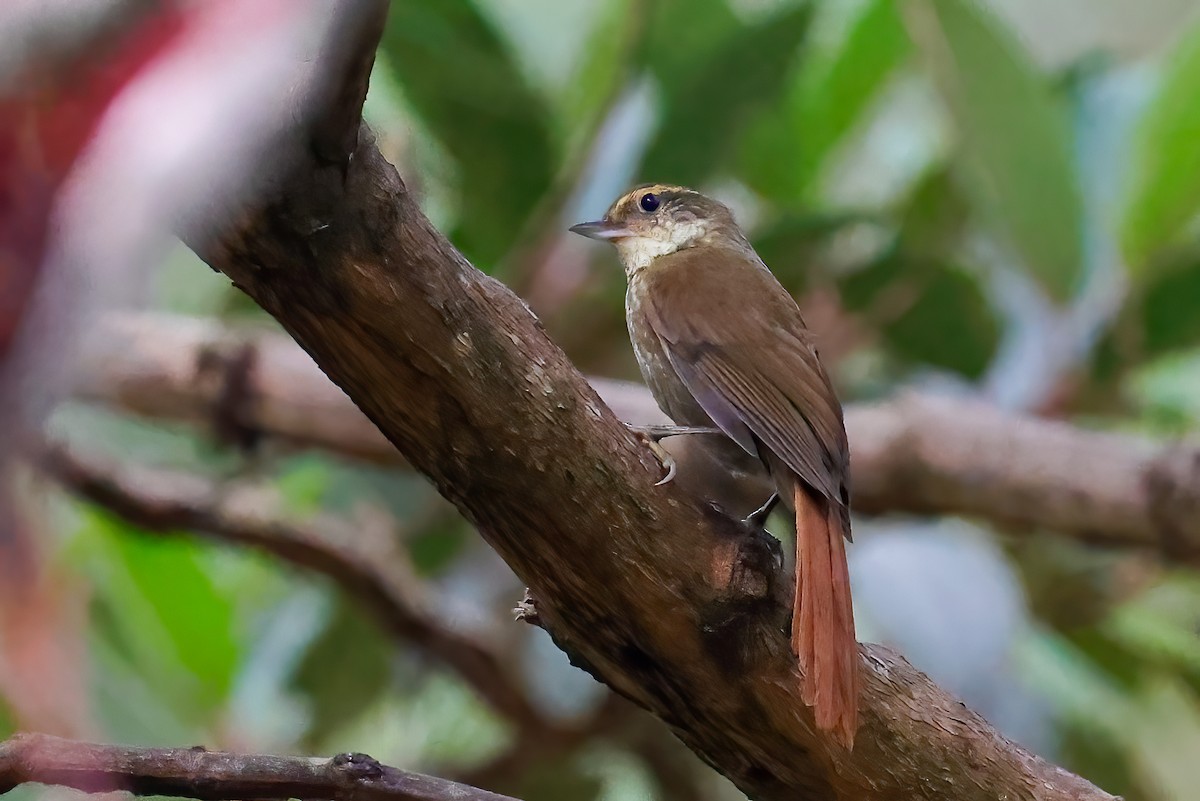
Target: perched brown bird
721,343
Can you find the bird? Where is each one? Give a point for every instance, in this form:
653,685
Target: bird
724,350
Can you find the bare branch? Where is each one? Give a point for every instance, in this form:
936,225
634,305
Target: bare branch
369,569
914,454
347,59
215,775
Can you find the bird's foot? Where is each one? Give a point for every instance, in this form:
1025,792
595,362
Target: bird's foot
776,549
758,518
653,434
664,458
757,521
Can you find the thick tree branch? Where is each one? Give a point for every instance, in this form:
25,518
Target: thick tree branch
915,454
215,775
674,606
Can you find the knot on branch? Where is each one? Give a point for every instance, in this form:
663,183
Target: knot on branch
355,767
745,570
230,369
1173,504
526,609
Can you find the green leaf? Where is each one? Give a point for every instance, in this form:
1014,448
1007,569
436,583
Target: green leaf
1166,393
682,34
1015,141
791,245
1094,712
459,77
603,67
943,318
165,613
7,726
1101,759
862,287
171,576
931,310
1168,310
303,483
1158,319
346,669
1161,625
784,152
950,325
934,216
551,781
434,548
1165,193
714,102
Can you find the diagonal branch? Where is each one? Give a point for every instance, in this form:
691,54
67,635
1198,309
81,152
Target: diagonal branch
913,454
675,607
216,775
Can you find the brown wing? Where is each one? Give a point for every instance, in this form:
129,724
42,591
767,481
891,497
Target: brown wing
737,340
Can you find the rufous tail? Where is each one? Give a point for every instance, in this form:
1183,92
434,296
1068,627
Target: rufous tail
823,618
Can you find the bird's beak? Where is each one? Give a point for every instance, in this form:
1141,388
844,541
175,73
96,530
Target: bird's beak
600,229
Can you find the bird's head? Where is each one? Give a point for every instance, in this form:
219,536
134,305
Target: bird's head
656,220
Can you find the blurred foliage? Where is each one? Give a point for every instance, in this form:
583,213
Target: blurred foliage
741,73
1014,137
923,173
460,77
1166,180
835,83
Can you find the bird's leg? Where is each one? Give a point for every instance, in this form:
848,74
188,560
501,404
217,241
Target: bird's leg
661,432
757,521
652,434
758,518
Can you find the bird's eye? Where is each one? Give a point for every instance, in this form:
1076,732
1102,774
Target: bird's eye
649,202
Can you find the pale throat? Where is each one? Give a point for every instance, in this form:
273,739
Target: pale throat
639,252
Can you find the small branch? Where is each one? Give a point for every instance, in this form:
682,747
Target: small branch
371,572
913,454
348,57
215,775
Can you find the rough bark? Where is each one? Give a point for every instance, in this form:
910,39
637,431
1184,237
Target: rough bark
913,454
674,606
215,775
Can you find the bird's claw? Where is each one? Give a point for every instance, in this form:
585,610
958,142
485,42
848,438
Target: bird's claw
664,458
758,518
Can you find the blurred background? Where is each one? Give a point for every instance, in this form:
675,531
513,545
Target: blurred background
987,199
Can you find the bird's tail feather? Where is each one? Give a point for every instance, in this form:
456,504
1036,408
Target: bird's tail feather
823,618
